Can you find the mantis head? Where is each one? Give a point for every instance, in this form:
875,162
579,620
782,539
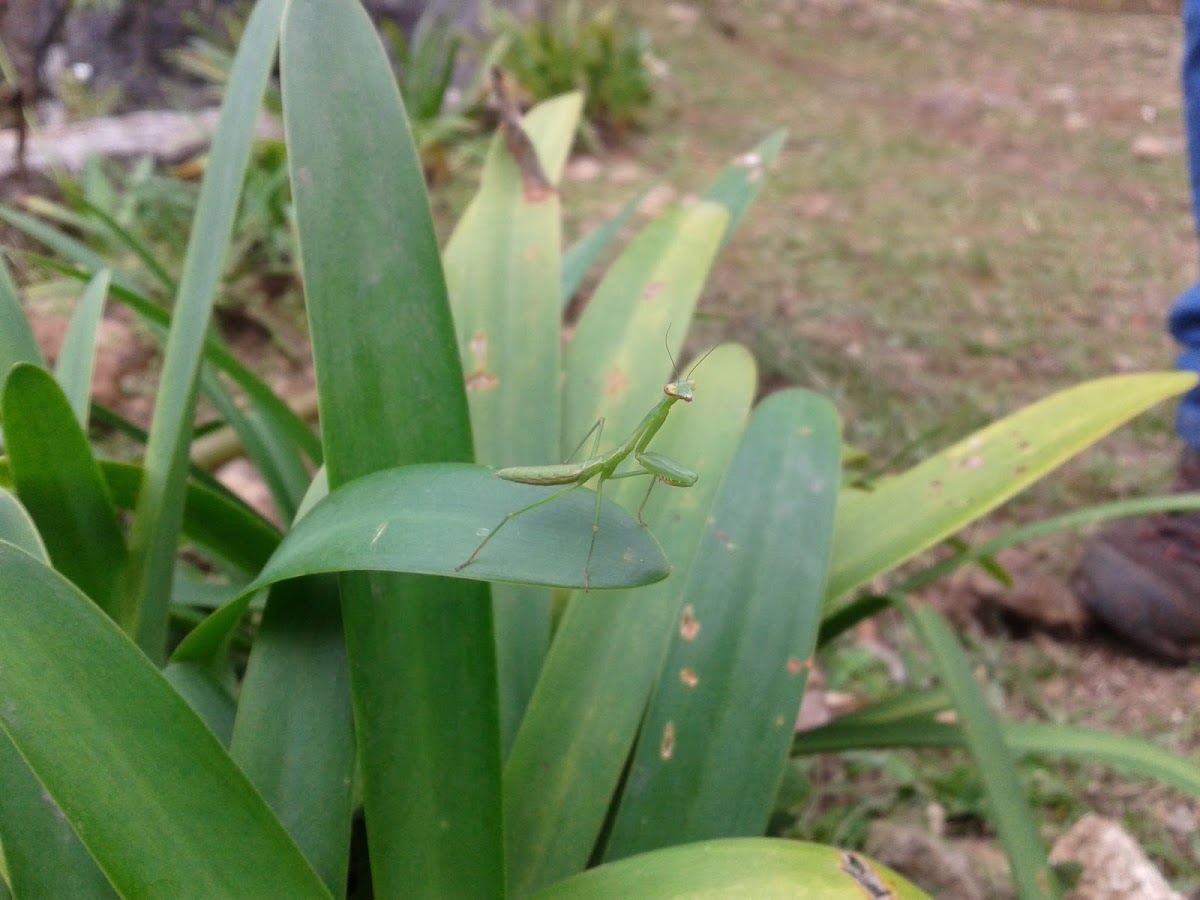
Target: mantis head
680,390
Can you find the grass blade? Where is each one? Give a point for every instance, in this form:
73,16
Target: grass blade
1130,755
1008,801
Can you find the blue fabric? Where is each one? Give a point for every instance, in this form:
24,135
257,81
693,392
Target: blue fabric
1184,319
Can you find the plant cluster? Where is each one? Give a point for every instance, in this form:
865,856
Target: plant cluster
500,729
570,48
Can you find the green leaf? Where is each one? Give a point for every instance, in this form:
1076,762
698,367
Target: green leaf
60,485
17,344
1008,802
294,733
390,387
582,255
761,868
159,514
42,853
908,722
205,694
74,367
637,316
738,185
503,268
607,652
715,739
123,756
903,515
17,527
429,518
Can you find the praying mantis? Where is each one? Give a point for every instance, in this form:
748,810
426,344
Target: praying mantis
604,467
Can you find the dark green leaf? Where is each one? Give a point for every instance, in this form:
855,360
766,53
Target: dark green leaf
60,484
127,761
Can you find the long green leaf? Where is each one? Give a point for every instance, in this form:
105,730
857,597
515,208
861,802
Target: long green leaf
715,739
17,527
59,482
760,868
42,853
911,512
127,762
390,387
429,519
582,255
43,856
1008,803
17,344
74,367
1127,754
503,266
287,427
645,301
294,733
740,182
607,652
159,513
212,519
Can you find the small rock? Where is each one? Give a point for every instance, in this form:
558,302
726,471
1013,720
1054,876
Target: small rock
1152,148
683,13
1114,866
584,168
926,860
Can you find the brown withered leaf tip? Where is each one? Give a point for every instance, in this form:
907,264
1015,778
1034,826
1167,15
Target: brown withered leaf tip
534,183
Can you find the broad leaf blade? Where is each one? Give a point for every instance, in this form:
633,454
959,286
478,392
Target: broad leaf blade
428,519
390,387
60,484
43,856
739,184
503,266
607,652
747,867
294,733
715,739
125,758
582,255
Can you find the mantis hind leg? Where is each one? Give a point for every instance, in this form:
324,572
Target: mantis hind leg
598,430
587,566
512,515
